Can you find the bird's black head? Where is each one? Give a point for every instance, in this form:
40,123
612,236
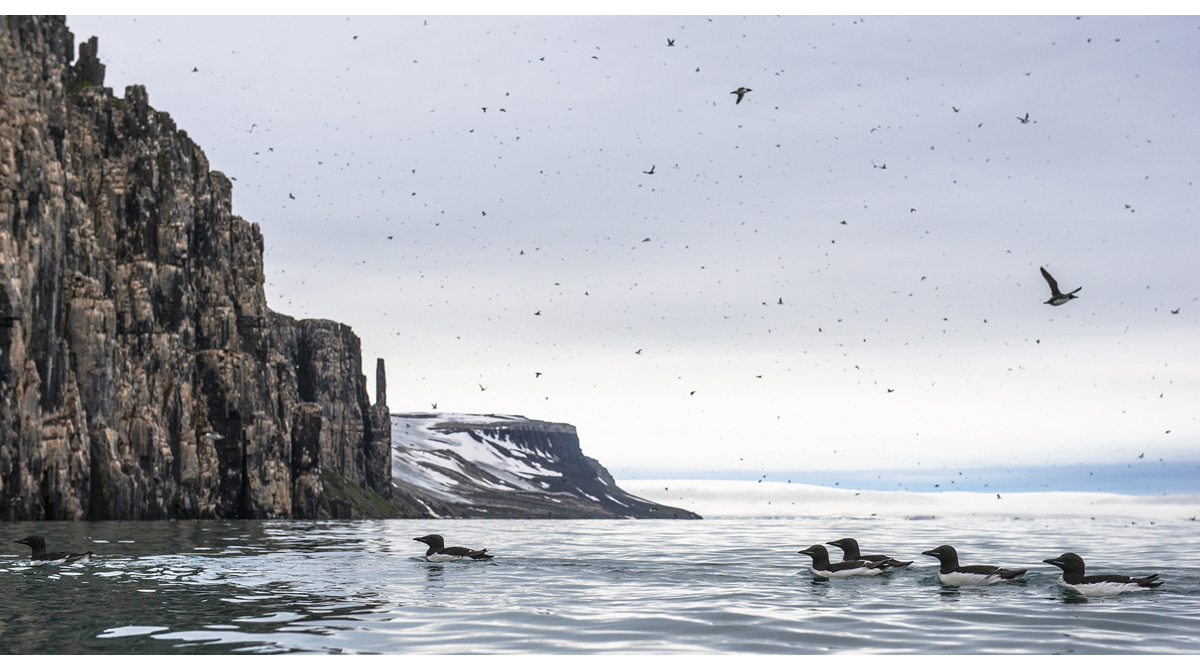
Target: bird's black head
434,540
846,543
817,551
1069,562
32,541
943,553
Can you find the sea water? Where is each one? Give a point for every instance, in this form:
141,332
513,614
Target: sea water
734,585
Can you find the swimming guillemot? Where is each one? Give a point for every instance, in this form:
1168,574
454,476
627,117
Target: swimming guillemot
1097,585
821,566
849,547
439,552
1057,297
953,574
41,557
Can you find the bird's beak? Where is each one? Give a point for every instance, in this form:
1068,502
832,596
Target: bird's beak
1053,561
931,552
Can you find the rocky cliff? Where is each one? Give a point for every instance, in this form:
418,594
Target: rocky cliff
509,467
142,375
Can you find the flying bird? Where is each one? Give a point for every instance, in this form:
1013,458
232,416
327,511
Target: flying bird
742,90
434,404
650,172
481,387
1024,120
670,42
954,108
1057,297
291,196
213,437
1175,311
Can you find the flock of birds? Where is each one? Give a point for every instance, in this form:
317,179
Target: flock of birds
853,564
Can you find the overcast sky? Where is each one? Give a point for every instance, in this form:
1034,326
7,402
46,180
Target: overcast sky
839,272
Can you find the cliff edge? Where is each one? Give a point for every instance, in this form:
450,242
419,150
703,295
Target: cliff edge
142,375
506,467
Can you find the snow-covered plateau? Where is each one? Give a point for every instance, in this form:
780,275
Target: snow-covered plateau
506,466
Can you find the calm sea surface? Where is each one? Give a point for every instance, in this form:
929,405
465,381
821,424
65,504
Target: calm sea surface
719,585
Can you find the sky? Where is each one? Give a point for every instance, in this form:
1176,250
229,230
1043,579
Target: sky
572,219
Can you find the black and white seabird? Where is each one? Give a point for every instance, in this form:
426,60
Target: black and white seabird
41,557
1098,585
821,566
1057,297
439,552
740,92
849,547
953,574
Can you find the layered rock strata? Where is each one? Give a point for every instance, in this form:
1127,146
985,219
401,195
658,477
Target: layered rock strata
142,375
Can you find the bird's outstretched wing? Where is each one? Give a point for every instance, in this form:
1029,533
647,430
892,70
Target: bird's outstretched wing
1053,284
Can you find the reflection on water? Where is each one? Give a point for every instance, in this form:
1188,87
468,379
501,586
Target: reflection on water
584,586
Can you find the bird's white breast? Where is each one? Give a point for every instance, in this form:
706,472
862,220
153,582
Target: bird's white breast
863,571
442,558
1101,588
967,579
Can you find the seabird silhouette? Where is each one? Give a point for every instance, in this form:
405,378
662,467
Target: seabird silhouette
438,551
1096,585
821,567
849,547
1057,297
1024,120
742,90
670,42
650,172
953,574
40,556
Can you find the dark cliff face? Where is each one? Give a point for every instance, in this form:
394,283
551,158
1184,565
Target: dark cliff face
133,321
499,466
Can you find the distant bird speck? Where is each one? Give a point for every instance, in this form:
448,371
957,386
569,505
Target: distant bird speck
536,375
639,351
651,171
646,240
954,108
1056,297
891,390
195,69
434,405
1176,311
843,223
670,42
481,387
1024,120
389,237
212,436
291,196
740,92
